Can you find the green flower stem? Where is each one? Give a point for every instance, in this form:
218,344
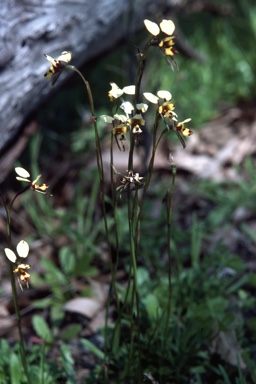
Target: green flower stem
133,217
112,178
8,210
139,75
169,203
142,56
98,152
18,318
113,267
97,138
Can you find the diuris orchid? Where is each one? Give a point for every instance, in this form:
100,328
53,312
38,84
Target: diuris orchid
57,66
24,175
22,251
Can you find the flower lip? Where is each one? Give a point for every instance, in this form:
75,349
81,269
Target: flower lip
167,44
180,127
137,120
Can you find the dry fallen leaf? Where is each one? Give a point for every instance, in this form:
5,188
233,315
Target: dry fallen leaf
85,306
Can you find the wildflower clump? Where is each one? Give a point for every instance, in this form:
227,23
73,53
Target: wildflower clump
131,122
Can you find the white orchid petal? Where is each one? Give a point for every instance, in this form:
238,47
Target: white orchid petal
164,95
127,107
22,179
186,121
150,97
129,90
142,107
114,86
65,56
22,172
10,255
167,26
115,91
121,118
22,248
152,27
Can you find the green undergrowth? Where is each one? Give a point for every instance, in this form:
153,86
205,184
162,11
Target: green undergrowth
210,332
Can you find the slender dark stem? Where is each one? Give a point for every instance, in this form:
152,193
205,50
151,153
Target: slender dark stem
98,154
8,210
142,57
169,204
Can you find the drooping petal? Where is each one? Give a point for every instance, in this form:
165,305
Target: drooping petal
121,118
22,172
22,248
129,90
167,26
115,92
127,107
22,179
164,95
186,121
150,97
152,27
10,255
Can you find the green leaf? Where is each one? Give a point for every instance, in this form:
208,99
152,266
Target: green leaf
70,332
92,348
152,305
67,363
42,329
53,274
66,354
67,260
15,369
42,303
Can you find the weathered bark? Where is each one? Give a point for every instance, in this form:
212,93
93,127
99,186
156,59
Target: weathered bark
30,28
